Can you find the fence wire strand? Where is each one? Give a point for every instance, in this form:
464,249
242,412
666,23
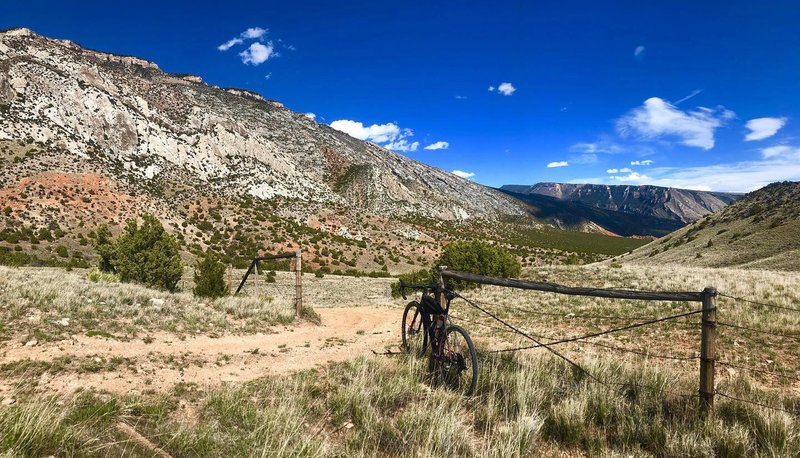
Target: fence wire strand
756,403
757,370
565,315
759,331
600,333
765,304
585,371
507,327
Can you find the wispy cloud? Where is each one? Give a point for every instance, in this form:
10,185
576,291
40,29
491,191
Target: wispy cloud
504,88
784,151
632,177
462,174
743,176
252,33
638,52
622,170
683,99
402,145
438,145
461,97
657,118
388,135
645,162
556,164
761,128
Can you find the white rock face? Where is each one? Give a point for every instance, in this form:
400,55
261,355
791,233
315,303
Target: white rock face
125,111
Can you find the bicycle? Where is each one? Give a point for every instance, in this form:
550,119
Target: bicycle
453,362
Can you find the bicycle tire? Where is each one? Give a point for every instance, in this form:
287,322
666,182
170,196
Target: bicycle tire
413,330
447,369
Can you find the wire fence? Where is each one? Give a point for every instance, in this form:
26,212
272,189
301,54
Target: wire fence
498,323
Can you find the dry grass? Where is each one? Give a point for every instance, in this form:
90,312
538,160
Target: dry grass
527,404
383,407
50,304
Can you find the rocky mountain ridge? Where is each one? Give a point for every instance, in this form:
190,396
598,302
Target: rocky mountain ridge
123,112
681,205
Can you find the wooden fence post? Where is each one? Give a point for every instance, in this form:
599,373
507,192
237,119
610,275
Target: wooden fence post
298,283
708,350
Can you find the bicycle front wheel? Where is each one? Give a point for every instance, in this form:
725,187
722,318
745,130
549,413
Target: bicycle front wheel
458,363
415,339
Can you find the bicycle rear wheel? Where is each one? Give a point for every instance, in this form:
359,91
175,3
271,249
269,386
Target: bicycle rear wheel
457,366
415,339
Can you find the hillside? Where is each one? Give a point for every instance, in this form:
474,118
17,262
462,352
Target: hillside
762,230
88,137
680,205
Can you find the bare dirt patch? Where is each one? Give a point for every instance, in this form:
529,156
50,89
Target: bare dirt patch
161,360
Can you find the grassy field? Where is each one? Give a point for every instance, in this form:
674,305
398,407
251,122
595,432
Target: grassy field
527,404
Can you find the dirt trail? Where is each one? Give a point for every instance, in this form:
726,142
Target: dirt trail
166,360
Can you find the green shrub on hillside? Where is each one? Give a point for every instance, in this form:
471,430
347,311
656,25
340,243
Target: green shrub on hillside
473,257
148,255
478,258
104,248
209,277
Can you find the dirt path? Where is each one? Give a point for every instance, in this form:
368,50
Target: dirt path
140,365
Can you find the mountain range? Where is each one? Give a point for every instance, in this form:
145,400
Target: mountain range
682,206
88,137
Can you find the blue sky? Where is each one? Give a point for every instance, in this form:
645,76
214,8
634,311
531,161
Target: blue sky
695,94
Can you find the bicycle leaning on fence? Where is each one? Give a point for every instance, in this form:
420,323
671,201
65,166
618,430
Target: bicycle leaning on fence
453,362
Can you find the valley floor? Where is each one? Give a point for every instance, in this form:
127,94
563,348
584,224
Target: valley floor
238,376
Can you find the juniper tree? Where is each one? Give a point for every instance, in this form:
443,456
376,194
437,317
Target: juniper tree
148,255
209,277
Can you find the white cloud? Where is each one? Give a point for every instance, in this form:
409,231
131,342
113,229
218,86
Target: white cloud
555,164
504,88
635,177
378,133
622,170
402,145
253,32
461,97
230,44
389,135
645,162
258,53
268,76
249,34
310,116
463,174
438,145
639,51
780,151
761,128
658,118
